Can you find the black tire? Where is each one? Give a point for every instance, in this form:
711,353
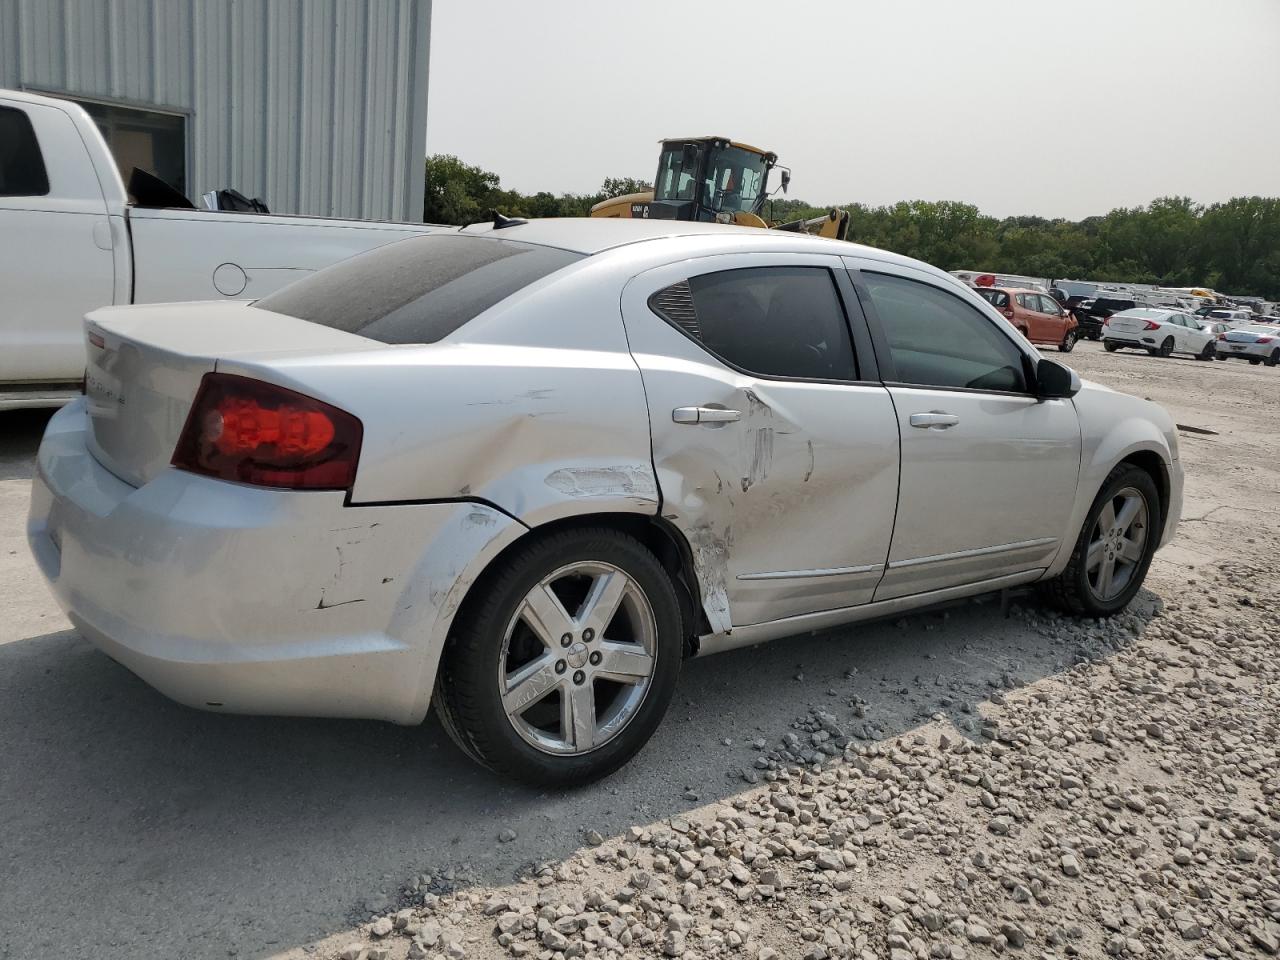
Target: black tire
1094,335
1166,348
467,698
1110,346
1068,341
1208,353
1219,356
1254,361
1272,360
1070,590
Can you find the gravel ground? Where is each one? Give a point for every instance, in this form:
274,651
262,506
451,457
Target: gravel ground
957,783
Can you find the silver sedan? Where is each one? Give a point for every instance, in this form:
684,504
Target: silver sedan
522,471
1257,343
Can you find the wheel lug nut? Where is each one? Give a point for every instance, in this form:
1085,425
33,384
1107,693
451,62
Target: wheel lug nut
595,658
579,676
561,666
566,639
588,635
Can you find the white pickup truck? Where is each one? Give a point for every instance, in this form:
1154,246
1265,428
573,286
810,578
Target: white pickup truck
71,241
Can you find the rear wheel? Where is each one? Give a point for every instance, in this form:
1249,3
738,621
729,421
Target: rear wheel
564,664
1254,361
1113,552
1209,351
1166,348
1068,341
1272,360
1110,346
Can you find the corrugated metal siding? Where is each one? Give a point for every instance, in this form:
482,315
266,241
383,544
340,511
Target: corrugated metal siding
318,106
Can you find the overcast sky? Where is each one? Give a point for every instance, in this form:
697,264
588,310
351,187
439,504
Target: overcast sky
1059,108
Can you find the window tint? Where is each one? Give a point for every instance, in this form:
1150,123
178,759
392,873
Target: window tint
774,321
148,140
1049,305
417,290
22,172
1022,301
938,340
997,298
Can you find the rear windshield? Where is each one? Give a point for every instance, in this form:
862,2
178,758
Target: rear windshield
418,290
1222,314
1106,303
997,298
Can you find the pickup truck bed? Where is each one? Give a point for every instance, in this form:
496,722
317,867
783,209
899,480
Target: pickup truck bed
71,241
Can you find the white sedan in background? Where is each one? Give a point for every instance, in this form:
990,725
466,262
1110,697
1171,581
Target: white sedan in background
522,472
1257,343
1158,331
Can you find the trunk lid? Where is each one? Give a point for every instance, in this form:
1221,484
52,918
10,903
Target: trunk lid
1127,324
145,364
1245,336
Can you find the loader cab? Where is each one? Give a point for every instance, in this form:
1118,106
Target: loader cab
709,179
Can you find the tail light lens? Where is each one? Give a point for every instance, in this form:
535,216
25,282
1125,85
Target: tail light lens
1263,340
1151,325
253,432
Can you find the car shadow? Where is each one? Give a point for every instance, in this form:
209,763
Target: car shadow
128,821
20,432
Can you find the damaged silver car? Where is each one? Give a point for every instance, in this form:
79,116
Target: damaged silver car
522,471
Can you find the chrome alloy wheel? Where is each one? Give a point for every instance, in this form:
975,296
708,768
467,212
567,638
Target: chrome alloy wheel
1117,544
577,658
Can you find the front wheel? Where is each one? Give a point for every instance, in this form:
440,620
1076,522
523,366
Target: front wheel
1166,348
1209,352
1068,341
1272,360
563,664
1113,552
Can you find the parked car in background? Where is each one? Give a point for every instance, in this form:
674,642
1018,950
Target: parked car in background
251,512
1091,314
72,240
1257,343
1037,316
1213,327
1160,332
1230,317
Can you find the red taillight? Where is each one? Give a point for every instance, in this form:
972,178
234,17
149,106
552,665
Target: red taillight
1263,340
254,432
1106,321
1151,325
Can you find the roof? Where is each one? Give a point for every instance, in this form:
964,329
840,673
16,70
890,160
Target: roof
1014,290
595,234
728,140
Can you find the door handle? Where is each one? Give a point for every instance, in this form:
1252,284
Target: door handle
705,415
934,420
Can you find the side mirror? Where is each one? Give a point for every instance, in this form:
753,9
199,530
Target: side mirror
1054,381
786,180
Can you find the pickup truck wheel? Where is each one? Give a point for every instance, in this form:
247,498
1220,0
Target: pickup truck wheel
1113,552
564,663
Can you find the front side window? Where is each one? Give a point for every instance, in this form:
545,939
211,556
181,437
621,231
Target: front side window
22,172
146,139
774,321
938,340
418,290
734,179
1050,306
677,172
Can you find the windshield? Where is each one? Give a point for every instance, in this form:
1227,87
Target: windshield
734,180
1222,314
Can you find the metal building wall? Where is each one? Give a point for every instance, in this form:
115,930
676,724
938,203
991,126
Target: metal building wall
318,106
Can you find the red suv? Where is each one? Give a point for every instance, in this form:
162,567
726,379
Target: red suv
1037,315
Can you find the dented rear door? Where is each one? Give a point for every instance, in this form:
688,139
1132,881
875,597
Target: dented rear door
785,486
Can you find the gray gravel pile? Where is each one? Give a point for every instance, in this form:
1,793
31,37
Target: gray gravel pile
1126,806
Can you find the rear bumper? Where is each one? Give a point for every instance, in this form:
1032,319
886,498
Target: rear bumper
1145,342
250,600
1248,351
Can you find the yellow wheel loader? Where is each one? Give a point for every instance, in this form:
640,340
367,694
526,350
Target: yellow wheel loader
716,180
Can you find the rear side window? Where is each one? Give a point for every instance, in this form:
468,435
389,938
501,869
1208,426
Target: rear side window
773,321
938,340
22,172
418,290
997,298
